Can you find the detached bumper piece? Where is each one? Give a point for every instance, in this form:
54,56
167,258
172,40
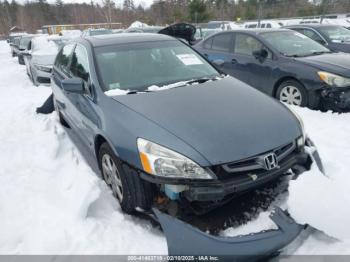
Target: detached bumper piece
336,100
183,239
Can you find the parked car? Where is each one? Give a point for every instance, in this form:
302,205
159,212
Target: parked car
148,29
15,45
202,33
99,31
222,25
263,24
39,58
334,37
22,46
284,64
148,145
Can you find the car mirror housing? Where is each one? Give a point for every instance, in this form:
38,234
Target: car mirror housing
73,85
261,54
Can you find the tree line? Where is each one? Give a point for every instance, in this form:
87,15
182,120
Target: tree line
33,14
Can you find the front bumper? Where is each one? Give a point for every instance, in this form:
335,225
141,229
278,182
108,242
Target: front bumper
336,99
246,182
219,189
185,240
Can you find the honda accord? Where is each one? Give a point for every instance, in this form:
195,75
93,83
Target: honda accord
166,126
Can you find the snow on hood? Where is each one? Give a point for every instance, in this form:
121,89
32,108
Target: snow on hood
44,46
116,92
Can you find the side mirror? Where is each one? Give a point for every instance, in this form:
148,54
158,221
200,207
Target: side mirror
218,62
73,85
261,54
8,40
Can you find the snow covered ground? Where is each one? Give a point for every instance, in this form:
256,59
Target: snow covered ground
53,202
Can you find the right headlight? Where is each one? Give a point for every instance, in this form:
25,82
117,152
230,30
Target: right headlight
160,161
334,80
302,138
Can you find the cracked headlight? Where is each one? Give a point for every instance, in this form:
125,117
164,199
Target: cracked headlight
160,161
334,80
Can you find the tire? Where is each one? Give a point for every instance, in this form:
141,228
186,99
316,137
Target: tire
129,189
292,92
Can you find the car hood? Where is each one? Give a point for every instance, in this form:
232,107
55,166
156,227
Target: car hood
337,63
43,59
224,120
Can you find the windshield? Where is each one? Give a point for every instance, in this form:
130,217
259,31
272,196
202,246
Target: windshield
214,25
23,44
336,33
291,43
139,66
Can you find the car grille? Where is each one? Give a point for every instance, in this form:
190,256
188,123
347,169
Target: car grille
253,165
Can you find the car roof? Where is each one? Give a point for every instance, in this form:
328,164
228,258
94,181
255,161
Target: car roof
257,31
310,25
125,38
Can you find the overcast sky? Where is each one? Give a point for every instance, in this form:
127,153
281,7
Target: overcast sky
145,3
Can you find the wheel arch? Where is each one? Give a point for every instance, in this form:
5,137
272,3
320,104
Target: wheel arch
280,81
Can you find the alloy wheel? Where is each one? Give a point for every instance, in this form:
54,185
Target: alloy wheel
291,95
111,176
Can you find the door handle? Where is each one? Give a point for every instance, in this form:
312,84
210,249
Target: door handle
234,61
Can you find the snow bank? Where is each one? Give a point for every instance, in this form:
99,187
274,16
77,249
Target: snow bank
138,24
323,201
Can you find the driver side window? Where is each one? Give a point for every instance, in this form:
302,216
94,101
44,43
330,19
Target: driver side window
246,45
79,66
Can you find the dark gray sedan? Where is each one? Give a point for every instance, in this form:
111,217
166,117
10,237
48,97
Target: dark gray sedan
284,64
167,127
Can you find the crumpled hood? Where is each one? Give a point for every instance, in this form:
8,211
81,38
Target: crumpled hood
43,59
224,120
337,63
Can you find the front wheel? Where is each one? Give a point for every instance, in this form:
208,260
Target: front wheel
293,93
127,187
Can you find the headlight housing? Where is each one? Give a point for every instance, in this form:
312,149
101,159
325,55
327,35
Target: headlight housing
43,68
300,140
334,80
160,161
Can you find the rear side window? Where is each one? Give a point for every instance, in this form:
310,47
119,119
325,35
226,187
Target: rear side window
222,42
207,43
80,64
63,58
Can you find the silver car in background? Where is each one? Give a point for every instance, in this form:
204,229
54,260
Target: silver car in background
40,56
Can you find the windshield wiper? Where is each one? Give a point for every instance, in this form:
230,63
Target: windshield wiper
200,80
320,52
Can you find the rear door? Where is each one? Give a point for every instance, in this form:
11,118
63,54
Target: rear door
219,48
249,69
